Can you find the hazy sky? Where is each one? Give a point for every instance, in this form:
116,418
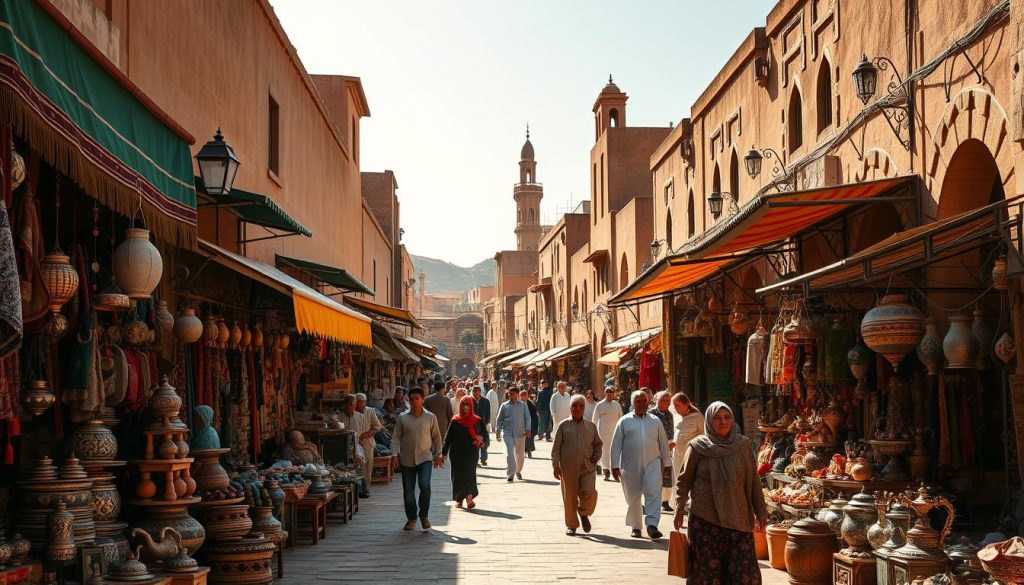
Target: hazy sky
452,84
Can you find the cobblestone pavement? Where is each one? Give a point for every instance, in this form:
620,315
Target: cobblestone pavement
514,535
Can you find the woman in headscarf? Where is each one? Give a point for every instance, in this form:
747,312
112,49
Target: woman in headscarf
206,436
720,480
662,401
463,442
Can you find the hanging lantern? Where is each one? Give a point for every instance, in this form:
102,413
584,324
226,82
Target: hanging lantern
187,327
859,360
929,351
257,336
56,327
137,265
960,345
755,356
59,277
111,300
223,333
134,331
17,169
986,337
38,398
894,328
210,330
1000,278
714,305
164,318
1006,348
236,335
246,336
739,322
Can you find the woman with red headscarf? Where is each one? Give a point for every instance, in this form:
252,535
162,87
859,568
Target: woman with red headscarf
463,442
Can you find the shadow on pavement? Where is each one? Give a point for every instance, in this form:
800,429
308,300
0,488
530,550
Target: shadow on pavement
634,543
493,514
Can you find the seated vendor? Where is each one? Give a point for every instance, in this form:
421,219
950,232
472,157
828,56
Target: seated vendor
300,451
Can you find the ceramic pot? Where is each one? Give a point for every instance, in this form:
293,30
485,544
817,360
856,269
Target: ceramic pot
93,441
929,351
810,545
210,330
1000,280
861,470
761,546
881,530
833,515
960,345
1006,348
263,521
38,397
17,169
858,516
207,471
106,502
899,517
227,522
164,319
235,339
182,448
187,327
56,327
137,265
60,534
257,336
776,535
894,328
167,449
134,331
20,547
165,403
59,277
241,562
6,550
129,569
192,532
985,335
859,361
223,333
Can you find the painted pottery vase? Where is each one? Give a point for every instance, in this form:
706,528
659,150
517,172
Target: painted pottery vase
223,333
1005,348
182,447
858,515
257,336
165,402
207,470
226,522
776,535
810,545
241,562
93,441
894,328
59,277
900,518
106,502
18,173
111,300
134,331
38,398
929,351
187,327
861,470
137,265
60,534
960,345
881,530
833,515
164,318
166,449
1000,280
263,521
20,547
859,360
210,330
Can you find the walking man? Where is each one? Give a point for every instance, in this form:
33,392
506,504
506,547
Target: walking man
640,457
415,448
367,438
482,408
560,403
440,406
544,410
494,398
606,415
514,423
574,454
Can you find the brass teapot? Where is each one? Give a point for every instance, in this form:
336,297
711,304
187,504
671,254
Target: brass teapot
921,535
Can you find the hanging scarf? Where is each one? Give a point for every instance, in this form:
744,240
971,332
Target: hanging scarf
29,245
468,421
11,326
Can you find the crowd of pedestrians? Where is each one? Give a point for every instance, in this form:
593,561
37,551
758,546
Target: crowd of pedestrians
666,455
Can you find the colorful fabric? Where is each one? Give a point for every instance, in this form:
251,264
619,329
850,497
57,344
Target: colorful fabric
720,555
11,326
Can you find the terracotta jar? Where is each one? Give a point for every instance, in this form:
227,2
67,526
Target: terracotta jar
93,441
207,470
263,521
929,351
810,545
960,345
165,402
761,546
894,328
776,535
861,470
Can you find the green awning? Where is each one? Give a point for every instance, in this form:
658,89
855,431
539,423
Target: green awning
90,122
254,208
337,277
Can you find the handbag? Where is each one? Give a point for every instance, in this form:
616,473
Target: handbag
678,554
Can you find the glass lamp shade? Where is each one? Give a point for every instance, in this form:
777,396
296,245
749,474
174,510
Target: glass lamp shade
217,165
655,248
715,203
865,78
752,162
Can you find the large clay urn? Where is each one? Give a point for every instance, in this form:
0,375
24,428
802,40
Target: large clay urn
187,327
858,516
929,351
240,562
960,345
894,328
776,535
809,549
59,277
93,441
207,471
137,265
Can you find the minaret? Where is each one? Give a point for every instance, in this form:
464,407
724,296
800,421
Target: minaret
609,109
528,194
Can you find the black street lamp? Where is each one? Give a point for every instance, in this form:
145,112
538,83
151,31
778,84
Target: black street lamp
897,104
575,308
865,78
217,165
717,199
754,157
656,248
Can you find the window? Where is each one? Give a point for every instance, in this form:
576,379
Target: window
824,102
668,232
796,123
623,273
603,203
613,118
734,177
691,227
375,275
669,191
529,177
593,192
273,137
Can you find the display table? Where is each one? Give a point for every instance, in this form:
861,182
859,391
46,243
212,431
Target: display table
345,501
383,464
316,507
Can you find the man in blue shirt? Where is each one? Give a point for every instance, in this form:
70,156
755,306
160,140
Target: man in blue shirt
544,411
514,422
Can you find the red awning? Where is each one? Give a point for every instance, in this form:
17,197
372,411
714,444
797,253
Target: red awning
765,221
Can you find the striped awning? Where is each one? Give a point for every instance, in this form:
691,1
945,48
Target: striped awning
765,221
570,351
504,361
541,358
633,339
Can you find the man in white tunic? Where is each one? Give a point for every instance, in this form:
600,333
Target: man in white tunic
560,403
495,400
640,457
355,421
606,415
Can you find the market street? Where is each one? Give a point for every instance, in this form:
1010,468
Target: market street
515,535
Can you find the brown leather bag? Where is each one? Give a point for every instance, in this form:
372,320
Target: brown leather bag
678,554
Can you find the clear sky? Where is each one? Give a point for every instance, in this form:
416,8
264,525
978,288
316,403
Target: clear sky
452,84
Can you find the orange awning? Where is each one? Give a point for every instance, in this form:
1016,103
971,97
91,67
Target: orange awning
766,220
387,313
613,358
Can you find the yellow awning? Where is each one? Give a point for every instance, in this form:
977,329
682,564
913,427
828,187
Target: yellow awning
315,313
612,358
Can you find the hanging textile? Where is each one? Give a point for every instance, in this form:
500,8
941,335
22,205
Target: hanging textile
28,242
11,326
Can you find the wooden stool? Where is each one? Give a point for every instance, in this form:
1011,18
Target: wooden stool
316,507
343,491
382,463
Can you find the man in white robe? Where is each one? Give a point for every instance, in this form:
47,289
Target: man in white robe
606,415
640,457
560,403
360,424
495,399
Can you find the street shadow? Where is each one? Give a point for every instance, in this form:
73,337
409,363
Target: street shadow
502,476
540,481
440,535
493,514
633,543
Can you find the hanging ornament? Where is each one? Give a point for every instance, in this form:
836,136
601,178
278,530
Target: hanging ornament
137,265
929,351
859,360
210,330
960,345
134,331
38,398
164,318
894,328
223,334
246,336
236,335
257,336
985,335
56,327
17,169
1000,278
1006,348
714,305
59,277
283,340
739,322
187,327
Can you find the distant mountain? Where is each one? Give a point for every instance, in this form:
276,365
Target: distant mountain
447,277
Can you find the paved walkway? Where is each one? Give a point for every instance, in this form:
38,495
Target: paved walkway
514,535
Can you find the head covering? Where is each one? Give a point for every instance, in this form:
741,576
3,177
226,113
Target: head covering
205,436
467,421
725,460
711,445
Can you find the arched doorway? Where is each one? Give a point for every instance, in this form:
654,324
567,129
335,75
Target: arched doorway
972,180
